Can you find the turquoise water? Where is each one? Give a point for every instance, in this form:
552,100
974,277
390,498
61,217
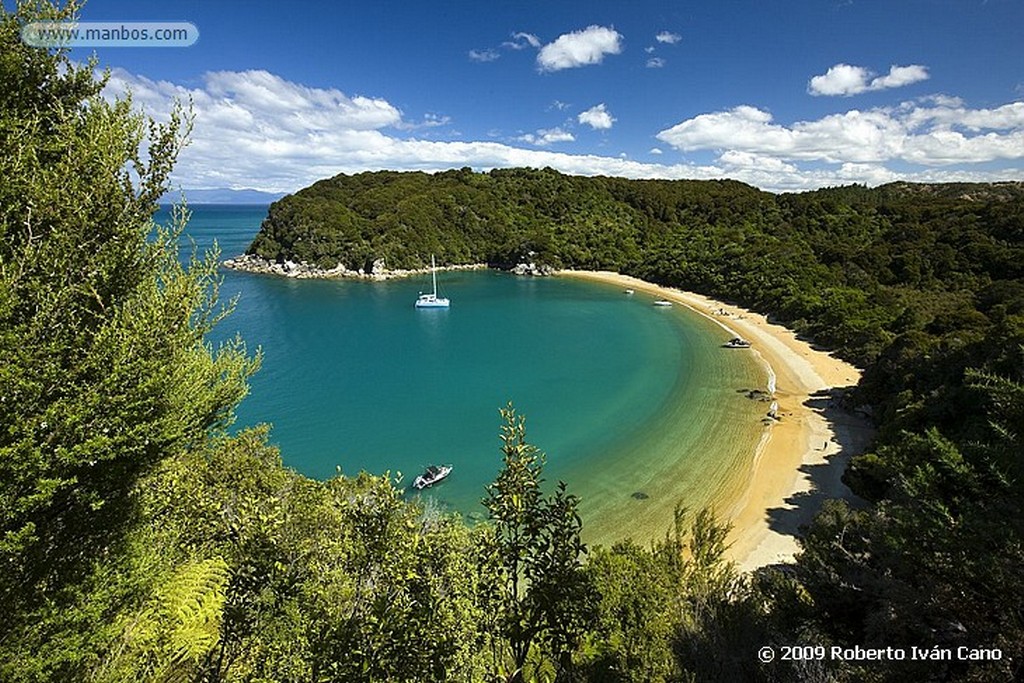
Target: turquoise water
621,395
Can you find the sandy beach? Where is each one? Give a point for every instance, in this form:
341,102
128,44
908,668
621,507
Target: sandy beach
801,457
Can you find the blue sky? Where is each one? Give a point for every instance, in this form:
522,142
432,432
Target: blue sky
783,95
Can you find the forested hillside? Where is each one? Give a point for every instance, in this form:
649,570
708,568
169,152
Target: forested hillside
852,267
141,541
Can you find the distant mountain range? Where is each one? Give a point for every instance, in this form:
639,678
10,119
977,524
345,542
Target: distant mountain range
222,196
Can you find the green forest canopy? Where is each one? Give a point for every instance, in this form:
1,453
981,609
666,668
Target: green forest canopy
852,267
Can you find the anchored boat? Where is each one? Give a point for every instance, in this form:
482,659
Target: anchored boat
431,299
431,476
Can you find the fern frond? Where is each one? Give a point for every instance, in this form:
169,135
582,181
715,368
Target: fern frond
176,628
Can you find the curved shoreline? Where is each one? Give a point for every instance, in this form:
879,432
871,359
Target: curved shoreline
800,459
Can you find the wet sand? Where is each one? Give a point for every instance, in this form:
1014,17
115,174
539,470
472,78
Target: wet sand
802,455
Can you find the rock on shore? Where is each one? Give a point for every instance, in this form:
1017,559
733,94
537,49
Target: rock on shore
532,269
252,263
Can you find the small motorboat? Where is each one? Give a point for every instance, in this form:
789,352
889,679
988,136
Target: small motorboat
662,302
431,476
629,292
737,343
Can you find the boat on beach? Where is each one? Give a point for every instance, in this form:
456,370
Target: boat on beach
737,343
431,476
431,299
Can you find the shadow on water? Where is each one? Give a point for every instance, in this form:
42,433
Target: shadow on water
851,435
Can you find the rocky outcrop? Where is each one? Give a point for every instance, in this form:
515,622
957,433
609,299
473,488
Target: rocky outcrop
532,269
250,263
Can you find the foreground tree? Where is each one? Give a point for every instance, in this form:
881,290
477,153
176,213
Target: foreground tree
540,599
103,366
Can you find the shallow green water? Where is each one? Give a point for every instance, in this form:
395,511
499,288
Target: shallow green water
624,397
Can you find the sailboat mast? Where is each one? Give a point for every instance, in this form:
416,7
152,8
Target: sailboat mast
432,300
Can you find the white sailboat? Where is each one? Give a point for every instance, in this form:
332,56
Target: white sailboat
431,299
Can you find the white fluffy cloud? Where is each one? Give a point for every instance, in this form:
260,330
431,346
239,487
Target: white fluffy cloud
929,136
668,37
900,76
949,112
247,100
655,63
844,79
256,130
745,160
597,117
579,48
545,137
